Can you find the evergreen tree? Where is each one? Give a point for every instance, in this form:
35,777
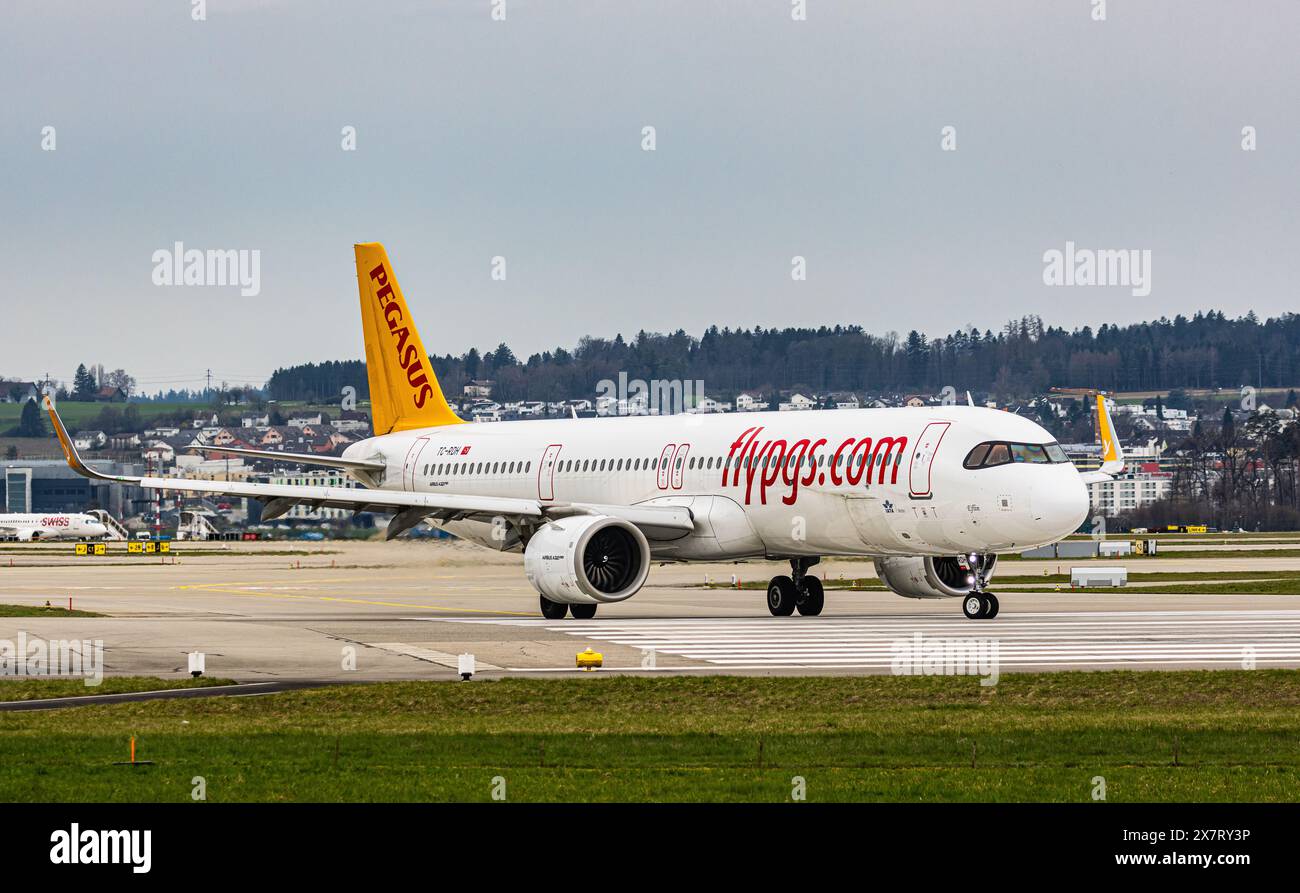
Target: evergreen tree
31,424
83,384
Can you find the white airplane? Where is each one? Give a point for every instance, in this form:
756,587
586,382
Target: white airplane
52,526
931,494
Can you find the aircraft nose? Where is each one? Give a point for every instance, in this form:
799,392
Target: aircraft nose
1061,504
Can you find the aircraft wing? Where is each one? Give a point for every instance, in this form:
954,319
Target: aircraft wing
410,508
303,458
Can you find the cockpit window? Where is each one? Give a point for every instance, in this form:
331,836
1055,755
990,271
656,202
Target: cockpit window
975,458
999,454
1028,452
991,453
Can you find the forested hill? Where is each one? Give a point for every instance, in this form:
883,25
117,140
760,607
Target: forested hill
1023,358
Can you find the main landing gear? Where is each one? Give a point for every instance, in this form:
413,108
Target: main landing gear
557,610
800,591
980,606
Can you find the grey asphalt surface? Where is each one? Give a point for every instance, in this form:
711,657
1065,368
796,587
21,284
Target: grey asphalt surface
343,612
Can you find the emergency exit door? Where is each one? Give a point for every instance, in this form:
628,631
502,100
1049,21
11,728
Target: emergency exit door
546,472
918,475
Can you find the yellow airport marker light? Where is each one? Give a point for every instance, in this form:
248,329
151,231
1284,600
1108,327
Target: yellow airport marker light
589,660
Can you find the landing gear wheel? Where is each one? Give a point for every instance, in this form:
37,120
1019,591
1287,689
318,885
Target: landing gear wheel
781,596
812,597
583,612
990,606
973,606
553,610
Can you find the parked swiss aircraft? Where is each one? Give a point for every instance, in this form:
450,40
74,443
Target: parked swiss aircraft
51,526
932,494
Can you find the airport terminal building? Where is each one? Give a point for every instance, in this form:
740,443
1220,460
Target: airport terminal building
49,485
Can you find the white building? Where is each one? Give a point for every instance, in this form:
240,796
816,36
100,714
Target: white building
798,402
90,440
750,401
485,411
212,469
1130,490
352,426
320,478
708,404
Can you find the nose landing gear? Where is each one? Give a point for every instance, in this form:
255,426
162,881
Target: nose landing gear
978,604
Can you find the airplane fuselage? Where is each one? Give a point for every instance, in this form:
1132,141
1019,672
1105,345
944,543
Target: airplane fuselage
51,525
874,482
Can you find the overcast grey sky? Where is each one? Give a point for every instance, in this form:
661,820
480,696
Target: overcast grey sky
522,138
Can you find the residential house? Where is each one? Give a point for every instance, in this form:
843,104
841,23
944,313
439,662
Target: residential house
351,421
708,404
124,441
19,391
110,395
90,440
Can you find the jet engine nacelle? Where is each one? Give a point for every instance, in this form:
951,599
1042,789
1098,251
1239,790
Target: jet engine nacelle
921,576
587,560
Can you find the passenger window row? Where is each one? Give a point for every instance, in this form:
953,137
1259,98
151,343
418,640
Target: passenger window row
709,463
467,468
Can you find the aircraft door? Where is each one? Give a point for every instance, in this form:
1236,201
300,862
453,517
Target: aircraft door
918,475
546,472
664,472
411,466
679,465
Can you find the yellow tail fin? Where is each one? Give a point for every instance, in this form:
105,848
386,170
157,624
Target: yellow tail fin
404,392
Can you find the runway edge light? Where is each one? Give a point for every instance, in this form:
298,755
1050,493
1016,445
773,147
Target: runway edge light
465,666
590,660
197,663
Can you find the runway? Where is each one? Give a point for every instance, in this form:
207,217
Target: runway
1027,641
354,612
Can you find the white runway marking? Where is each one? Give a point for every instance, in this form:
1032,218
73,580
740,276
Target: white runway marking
1049,640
